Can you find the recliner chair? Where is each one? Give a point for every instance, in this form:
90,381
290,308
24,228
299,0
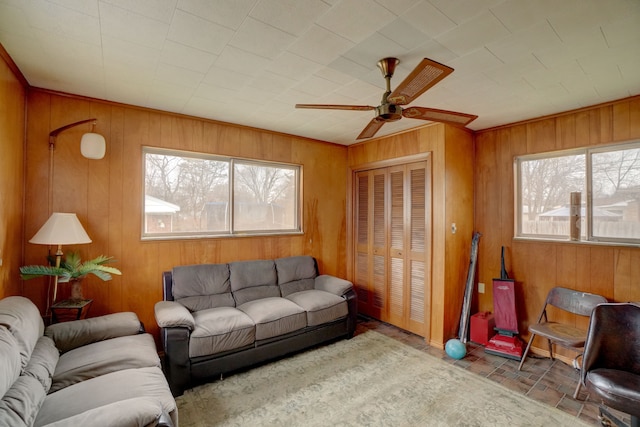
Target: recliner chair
611,361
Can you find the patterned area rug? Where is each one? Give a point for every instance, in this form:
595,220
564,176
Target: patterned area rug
370,380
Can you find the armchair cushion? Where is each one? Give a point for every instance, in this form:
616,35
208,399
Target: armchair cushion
43,362
20,404
104,390
171,314
70,335
9,360
22,318
103,357
137,411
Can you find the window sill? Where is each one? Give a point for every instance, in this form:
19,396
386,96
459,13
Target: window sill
574,242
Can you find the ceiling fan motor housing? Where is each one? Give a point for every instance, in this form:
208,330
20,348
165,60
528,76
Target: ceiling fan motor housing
389,112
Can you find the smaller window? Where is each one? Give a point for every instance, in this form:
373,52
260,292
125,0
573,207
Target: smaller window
201,195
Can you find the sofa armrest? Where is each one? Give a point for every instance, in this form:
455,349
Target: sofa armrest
74,334
333,284
171,314
176,323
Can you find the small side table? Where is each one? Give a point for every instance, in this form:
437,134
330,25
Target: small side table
66,310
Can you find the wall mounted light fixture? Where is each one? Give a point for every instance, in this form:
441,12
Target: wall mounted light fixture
92,145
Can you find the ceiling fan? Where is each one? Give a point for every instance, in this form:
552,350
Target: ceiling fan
423,77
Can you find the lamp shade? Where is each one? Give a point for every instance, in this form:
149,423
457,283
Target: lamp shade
93,146
61,229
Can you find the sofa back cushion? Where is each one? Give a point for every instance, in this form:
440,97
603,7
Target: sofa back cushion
252,280
43,362
9,360
202,286
20,404
295,274
22,318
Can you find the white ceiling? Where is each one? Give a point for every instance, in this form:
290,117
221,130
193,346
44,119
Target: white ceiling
250,61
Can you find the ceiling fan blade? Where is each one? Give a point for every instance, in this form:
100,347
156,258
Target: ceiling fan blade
434,115
337,107
425,75
370,129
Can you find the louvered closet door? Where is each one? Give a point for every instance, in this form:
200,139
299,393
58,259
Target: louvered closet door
371,242
392,262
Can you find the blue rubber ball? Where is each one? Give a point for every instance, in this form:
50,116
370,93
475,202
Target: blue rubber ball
455,349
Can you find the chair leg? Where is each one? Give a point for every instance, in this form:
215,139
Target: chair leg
526,351
575,393
550,349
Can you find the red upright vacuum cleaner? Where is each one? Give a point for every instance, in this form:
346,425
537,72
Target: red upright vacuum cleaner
506,342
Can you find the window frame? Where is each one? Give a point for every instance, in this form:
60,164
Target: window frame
231,232
588,236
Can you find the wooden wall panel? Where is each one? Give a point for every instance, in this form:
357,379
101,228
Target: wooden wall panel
538,266
12,117
107,196
451,152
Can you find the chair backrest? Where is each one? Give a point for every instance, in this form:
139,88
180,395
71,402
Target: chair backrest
576,302
613,339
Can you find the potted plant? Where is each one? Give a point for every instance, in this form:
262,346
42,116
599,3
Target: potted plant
72,270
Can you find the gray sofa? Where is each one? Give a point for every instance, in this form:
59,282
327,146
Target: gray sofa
218,318
102,371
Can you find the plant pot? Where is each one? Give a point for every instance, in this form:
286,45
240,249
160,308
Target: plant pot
76,290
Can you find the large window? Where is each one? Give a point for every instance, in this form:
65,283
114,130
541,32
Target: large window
594,191
202,195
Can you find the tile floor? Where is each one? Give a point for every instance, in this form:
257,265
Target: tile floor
549,382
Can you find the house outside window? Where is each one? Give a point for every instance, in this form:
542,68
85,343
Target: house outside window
604,181
190,195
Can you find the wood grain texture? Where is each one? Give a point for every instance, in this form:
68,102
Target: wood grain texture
451,153
12,105
538,266
107,196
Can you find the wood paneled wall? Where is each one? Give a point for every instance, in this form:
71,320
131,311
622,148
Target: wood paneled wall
107,196
12,118
451,150
612,271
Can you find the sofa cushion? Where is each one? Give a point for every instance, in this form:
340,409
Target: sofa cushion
137,411
104,390
220,329
274,316
295,274
20,404
22,318
252,280
103,357
43,362
321,306
202,286
10,364
74,334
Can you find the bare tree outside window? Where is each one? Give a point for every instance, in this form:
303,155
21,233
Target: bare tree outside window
546,185
616,191
611,174
263,195
188,194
